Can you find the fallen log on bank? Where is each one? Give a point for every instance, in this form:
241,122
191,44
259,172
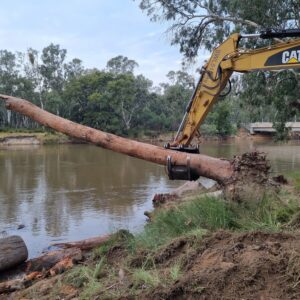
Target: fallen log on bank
50,259
86,244
13,252
54,262
203,165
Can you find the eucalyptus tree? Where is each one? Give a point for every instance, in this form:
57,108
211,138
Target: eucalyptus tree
112,101
121,64
13,82
197,24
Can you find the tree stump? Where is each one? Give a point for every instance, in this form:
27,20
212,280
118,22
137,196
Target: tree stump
13,252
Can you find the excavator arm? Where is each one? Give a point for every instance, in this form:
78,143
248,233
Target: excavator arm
226,59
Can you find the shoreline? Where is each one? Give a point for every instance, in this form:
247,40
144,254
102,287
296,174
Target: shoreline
45,138
204,240
34,138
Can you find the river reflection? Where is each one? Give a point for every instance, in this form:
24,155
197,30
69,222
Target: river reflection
69,192
284,157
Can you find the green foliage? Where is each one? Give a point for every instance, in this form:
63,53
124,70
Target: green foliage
208,213
114,100
295,177
52,67
118,101
220,120
146,278
207,23
121,65
265,96
268,213
175,272
81,276
88,278
269,97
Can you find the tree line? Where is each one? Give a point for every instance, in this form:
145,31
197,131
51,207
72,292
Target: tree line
113,99
117,100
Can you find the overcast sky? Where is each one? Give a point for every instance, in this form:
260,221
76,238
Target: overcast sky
92,30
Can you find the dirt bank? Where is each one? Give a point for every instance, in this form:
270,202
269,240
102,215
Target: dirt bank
20,140
28,138
223,265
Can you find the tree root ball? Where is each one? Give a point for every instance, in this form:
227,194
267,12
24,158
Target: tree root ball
251,178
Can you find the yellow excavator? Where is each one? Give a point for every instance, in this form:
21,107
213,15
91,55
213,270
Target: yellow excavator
215,75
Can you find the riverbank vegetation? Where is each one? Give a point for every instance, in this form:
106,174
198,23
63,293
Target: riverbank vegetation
199,246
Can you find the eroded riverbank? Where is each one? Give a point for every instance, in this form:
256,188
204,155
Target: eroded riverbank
196,247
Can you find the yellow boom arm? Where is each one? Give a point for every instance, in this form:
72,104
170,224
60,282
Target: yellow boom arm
226,59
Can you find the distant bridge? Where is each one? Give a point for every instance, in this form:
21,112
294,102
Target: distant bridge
268,127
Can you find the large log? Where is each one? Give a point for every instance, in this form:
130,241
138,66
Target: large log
13,252
50,259
217,169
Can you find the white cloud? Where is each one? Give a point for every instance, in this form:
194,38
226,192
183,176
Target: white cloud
91,30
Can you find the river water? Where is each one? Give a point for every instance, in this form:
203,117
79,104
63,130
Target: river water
72,192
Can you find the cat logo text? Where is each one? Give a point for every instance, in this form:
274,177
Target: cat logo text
291,57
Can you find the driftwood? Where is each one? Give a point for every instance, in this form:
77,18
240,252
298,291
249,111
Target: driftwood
203,165
52,263
86,244
50,259
13,252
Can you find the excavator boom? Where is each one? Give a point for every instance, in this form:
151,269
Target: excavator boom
229,58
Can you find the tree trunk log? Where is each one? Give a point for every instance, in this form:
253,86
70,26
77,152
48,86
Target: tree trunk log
217,169
13,252
50,259
86,244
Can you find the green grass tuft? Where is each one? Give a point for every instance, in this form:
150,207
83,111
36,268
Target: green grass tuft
145,279
175,272
269,213
209,213
87,278
295,177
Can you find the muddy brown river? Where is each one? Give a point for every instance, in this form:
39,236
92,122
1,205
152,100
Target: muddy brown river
71,192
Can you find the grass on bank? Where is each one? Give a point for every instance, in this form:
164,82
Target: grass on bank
207,213
191,221
295,178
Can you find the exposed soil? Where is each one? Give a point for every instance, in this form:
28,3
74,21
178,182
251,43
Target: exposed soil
236,266
223,265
